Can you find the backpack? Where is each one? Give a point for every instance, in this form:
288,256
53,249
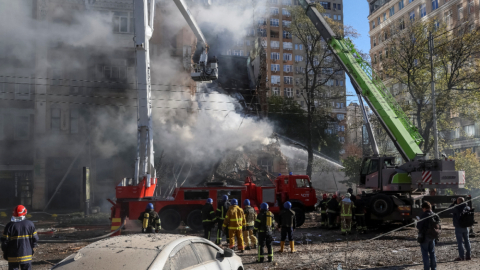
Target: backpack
434,227
250,214
467,218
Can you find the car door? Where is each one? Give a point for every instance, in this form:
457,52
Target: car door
184,258
210,257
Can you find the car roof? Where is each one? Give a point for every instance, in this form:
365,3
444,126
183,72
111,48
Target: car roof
135,251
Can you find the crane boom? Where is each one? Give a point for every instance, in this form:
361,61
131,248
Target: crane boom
401,131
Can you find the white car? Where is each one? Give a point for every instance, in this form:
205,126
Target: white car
152,251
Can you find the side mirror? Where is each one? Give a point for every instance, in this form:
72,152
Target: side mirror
227,253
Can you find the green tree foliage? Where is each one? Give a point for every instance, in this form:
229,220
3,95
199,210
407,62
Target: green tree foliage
467,161
352,166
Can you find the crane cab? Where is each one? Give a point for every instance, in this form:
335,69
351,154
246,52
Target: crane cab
205,71
379,173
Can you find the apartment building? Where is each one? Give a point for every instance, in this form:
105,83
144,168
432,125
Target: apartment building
59,96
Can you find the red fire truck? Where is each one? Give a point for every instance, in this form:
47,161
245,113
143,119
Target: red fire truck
186,202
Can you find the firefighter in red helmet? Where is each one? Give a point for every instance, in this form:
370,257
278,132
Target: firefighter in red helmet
19,240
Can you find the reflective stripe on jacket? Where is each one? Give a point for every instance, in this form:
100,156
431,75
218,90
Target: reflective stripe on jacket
265,222
346,209
208,214
235,218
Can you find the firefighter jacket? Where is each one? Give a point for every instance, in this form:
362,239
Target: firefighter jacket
208,214
264,222
359,207
153,221
346,207
18,240
323,206
287,219
250,216
235,219
222,209
332,206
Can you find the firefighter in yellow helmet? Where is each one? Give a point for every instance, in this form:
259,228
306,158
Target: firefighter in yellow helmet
234,222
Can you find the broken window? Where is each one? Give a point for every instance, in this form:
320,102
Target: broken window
266,163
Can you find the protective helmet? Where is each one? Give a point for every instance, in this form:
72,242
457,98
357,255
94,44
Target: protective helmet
19,211
325,196
246,202
209,200
334,196
225,197
149,206
287,205
264,206
350,190
234,202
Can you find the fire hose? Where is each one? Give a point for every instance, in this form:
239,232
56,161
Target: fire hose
80,240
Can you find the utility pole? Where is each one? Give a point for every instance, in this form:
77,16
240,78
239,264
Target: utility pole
434,110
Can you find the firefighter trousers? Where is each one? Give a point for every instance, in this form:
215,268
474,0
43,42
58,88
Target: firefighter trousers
220,231
249,238
207,229
332,220
346,222
286,231
20,266
265,239
324,219
236,233
361,223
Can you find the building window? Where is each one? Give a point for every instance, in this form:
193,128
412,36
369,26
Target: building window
469,130
116,70
273,1
339,82
300,47
275,79
274,11
55,119
287,2
122,22
412,15
288,68
401,24
285,12
325,5
374,41
289,92
287,57
298,58
247,42
262,21
460,11
274,22
455,133
448,17
275,44
340,117
22,127
392,11
341,139
410,1
287,45
339,6
378,21
471,7
287,34
373,24
288,80
275,67
423,10
73,121
274,55
275,91
22,87
400,5
384,16
434,4
238,52
286,23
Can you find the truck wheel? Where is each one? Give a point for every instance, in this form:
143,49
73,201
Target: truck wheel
170,219
194,220
299,216
382,205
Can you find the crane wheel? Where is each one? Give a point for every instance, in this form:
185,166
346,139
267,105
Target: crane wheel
299,216
194,220
381,205
170,219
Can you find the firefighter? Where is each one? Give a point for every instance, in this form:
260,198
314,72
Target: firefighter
150,220
287,223
352,197
208,218
323,211
222,208
19,240
264,225
250,216
234,222
346,207
360,210
332,210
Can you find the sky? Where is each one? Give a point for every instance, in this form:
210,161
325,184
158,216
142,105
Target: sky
355,14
